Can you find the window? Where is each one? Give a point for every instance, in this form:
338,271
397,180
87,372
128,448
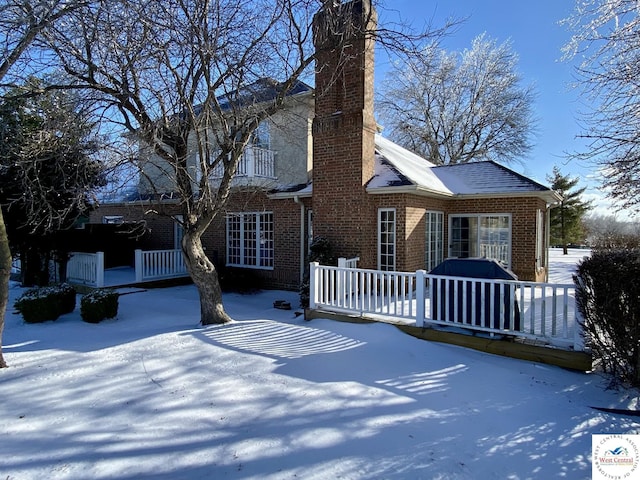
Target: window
435,239
250,240
261,136
486,236
540,260
113,219
387,239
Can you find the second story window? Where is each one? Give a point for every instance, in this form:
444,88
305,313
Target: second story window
261,137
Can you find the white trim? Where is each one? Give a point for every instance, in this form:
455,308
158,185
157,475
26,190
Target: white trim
393,244
259,229
539,240
439,251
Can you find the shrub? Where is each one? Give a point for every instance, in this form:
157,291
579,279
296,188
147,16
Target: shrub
67,298
608,297
240,280
98,305
46,303
320,251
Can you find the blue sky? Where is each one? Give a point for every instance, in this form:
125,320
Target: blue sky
537,38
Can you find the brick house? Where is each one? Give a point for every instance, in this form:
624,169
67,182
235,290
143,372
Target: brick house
331,174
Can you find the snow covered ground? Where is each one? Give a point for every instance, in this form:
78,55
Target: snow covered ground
151,394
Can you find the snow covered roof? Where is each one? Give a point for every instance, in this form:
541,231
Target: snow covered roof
396,166
478,178
399,169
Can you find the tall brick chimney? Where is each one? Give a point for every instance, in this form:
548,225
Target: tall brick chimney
344,129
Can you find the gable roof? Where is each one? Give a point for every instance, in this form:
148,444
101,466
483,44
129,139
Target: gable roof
399,170
396,166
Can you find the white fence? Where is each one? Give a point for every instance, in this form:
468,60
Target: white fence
86,269
159,264
541,311
254,162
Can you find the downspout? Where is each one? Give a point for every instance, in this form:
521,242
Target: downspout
297,200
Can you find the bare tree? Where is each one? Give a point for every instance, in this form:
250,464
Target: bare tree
21,22
457,107
606,39
606,232
185,78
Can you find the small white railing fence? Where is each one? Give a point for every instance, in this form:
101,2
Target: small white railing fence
540,311
159,264
496,251
86,269
254,162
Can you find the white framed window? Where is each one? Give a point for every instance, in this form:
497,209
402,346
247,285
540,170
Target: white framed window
540,257
250,240
434,239
261,136
481,235
387,239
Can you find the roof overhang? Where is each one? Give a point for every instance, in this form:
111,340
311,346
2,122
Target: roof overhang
549,196
409,189
290,195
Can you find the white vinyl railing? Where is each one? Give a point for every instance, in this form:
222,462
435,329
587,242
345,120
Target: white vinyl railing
497,251
86,269
159,264
254,162
540,311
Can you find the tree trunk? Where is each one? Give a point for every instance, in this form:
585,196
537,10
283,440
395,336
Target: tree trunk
205,277
5,272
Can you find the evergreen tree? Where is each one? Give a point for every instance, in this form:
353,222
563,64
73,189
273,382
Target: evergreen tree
47,172
566,219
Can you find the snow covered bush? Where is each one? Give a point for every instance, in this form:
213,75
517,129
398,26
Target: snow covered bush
608,297
67,298
46,303
98,305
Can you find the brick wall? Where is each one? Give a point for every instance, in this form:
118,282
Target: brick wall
286,216
344,137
